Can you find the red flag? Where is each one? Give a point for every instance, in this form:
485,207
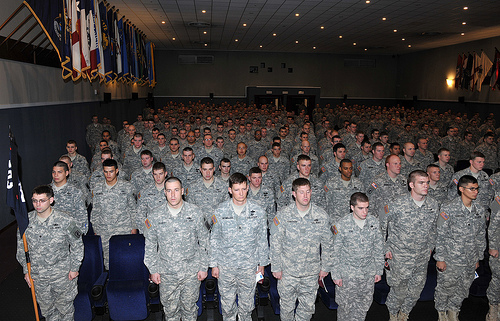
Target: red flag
75,41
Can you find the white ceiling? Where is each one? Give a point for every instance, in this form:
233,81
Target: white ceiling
354,20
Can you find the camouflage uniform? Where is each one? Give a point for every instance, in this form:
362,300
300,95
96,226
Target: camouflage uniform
490,155
114,212
140,179
407,167
495,183
466,149
485,184
358,159
445,173
271,180
295,251
284,196
338,196
56,248
215,154
69,199
238,244
453,145
265,198
172,163
81,182
368,170
94,134
461,241
242,165
80,164
176,248
424,159
148,199
329,169
207,198
187,177
132,160
257,149
357,257
160,154
383,189
439,192
98,175
281,166
314,163
493,291
411,236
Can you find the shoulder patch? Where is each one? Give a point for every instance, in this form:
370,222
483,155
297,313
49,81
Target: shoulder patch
323,169
386,209
497,199
282,189
139,195
374,185
75,231
455,181
147,223
214,219
444,216
186,191
276,221
326,188
491,182
359,168
334,229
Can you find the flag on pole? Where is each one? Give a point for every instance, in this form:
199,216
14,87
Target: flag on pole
15,195
123,47
117,47
98,24
75,41
458,77
483,69
495,71
93,23
84,37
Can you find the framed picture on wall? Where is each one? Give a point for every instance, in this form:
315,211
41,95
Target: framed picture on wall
254,69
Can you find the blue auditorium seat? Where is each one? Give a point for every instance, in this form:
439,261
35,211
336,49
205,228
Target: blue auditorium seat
328,298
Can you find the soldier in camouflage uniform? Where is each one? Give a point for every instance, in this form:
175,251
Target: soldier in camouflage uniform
262,194
445,169
224,170
422,154
358,259
187,171
208,191
143,177
114,209
80,163
387,185
338,191
56,252
173,159
438,189
475,169
330,168
298,232
68,198
408,161
284,196
452,143
278,163
242,162
176,252
132,155
161,150
460,245
209,150
493,291
153,195
409,221
372,167
305,149
238,249
94,132
489,149
77,179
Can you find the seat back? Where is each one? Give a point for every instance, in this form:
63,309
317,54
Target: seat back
126,258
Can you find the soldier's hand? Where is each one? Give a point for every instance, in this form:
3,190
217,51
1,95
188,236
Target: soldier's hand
378,278
441,266
493,253
322,274
338,282
215,272
477,265
388,255
155,277
277,275
27,279
260,269
134,231
202,275
72,275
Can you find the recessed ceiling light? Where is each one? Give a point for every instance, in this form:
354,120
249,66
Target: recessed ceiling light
367,1
260,46
203,11
314,48
395,30
274,35
204,32
353,43
296,41
466,8
340,37
236,40
462,34
409,46
244,25
384,18
322,27
163,22
366,49
173,38
206,45
297,14
403,39
464,23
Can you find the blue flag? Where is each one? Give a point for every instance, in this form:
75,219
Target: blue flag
15,195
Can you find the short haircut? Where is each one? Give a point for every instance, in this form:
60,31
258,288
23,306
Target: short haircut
146,152
138,135
61,164
237,178
254,170
431,166
206,160
488,134
162,134
392,145
172,179
225,160
187,149
71,141
174,139
276,145
384,134
300,182
107,151
159,165
344,161
388,158
358,197
465,180
64,157
44,189
441,150
337,146
412,178
377,144
475,155
302,157
110,163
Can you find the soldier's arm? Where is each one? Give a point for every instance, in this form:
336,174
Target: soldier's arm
276,228
20,254
378,252
262,243
481,238
75,247
151,255
81,210
493,234
132,212
327,246
442,234
203,244
215,241
338,249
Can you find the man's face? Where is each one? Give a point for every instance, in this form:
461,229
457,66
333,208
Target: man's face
394,165
255,180
360,210
421,185
269,123
137,141
444,156
103,145
225,167
468,137
477,163
191,138
302,195
435,131
340,153
276,151
110,173
232,135
59,174
241,149
366,148
162,141
409,149
258,135
159,175
353,128
282,132
41,202
263,164
489,140
220,143
139,118
304,167
188,157
305,146
346,170
183,134
95,119
173,192
422,144
396,150
378,153
104,157
263,132
71,148
174,146
197,133
207,171
208,141
155,134
220,128
307,128
248,127
209,120
360,137
434,174
241,129
384,139
239,192
147,161
175,131
106,136
470,190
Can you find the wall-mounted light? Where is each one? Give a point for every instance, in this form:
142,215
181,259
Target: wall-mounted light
449,82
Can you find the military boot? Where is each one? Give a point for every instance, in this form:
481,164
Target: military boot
453,315
393,317
442,316
492,313
402,316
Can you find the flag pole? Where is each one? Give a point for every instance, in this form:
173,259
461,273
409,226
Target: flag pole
32,287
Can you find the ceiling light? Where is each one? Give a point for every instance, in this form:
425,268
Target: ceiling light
314,48
353,43
260,46
409,46
340,37
163,22
173,38
462,34
297,14
403,39
449,82
367,1
366,49
296,41
204,32
395,30
203,11
244,25
274,35
464,23
206,45
236,40
322,27
466,8
384,18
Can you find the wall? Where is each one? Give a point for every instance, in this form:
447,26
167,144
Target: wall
229,74
423,73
